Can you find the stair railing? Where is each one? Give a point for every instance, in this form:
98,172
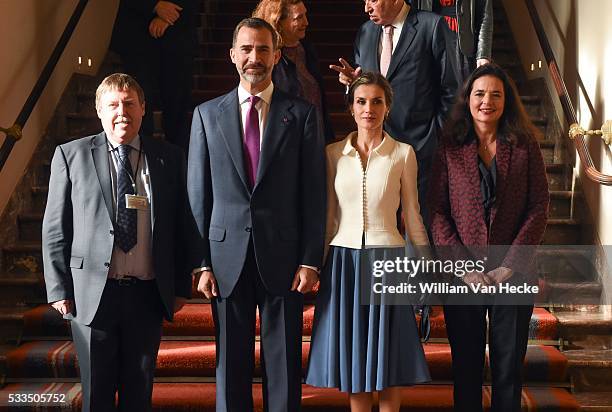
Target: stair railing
576,133
14,133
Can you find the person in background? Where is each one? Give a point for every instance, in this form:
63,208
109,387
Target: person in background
297,71
471,26
156,41
488,188
106,269
408,47
356,347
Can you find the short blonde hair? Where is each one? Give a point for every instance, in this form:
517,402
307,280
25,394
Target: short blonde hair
119,81
273,11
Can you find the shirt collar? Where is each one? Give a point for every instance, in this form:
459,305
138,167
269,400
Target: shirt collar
134,144
383,149
265,95
398,23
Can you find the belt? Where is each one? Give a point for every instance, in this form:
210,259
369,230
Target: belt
127,281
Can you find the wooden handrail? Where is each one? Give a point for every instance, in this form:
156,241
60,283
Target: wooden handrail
14,133
568,108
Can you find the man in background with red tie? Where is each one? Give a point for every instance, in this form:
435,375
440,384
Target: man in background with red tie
408,47
256,184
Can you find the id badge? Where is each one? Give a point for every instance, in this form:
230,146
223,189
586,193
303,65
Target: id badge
136,202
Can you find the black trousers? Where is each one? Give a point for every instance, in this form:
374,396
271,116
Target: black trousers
118,350
508,335
165,75
281,345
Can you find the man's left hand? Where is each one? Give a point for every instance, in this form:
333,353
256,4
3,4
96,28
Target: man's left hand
500,274
179,302
304,280
158,27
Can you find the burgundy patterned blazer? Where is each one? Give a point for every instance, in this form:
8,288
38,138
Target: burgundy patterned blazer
519,214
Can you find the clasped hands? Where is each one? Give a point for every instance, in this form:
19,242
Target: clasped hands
167,14
303,281
491,278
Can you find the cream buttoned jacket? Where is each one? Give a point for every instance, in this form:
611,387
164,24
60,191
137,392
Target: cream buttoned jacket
364,199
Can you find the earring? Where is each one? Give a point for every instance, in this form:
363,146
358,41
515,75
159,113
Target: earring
353,114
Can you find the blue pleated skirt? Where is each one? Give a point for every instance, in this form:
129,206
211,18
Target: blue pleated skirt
361,348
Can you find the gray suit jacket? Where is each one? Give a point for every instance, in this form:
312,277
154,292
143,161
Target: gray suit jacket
420,74
284,213
78,226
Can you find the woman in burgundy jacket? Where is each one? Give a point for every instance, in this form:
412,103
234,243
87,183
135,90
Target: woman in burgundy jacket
489,187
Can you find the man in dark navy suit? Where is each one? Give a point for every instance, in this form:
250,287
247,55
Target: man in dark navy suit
256,184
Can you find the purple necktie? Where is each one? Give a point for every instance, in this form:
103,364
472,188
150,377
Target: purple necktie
251,140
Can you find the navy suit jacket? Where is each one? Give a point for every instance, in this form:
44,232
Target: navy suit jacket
421,76
285,211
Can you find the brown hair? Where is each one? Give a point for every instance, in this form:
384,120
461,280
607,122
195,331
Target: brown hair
273,11
119,81
514,124
366,78
256,23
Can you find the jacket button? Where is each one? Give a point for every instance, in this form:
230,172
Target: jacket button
107,264
112,232
248,229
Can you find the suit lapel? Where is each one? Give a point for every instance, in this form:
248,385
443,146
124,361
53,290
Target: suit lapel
228,120
409,31
277,124
503,157
99,153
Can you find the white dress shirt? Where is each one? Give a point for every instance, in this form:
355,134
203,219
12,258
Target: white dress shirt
137,262
262,106
397,24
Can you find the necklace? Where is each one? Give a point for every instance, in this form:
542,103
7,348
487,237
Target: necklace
486,146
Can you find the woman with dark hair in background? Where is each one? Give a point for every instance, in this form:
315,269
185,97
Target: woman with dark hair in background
297,71
489,187
471,25
357,346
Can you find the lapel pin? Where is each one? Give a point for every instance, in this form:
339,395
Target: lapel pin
285,120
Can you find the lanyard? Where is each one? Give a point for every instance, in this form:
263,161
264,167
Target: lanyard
119,160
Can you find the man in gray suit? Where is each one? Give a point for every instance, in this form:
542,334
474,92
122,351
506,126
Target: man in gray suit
112,236
256,184
408,47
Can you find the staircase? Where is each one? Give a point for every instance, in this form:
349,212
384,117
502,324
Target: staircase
568,358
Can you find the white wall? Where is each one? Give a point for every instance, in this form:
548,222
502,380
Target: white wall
29,32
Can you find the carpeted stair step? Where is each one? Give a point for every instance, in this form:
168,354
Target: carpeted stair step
180,359
330,51
558,174
590,369
30,226
22,257
586,327
316,36
188,397
196,320
594,401
313,7
355,19
18,288
563,232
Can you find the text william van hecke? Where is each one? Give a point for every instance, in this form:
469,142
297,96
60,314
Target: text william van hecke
446,288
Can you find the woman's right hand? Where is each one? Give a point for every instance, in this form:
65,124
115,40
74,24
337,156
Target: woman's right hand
477,277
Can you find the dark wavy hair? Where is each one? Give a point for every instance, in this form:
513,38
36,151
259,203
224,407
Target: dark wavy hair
514,126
